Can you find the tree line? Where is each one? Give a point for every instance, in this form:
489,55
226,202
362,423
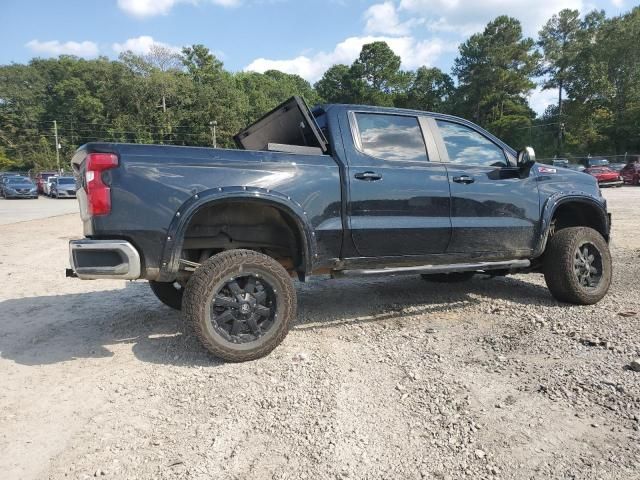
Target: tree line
172,98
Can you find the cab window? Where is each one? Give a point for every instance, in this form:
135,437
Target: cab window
466,146
391,137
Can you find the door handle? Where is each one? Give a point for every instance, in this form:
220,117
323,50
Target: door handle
466,179
368,176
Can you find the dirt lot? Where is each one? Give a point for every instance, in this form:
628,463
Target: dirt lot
384,378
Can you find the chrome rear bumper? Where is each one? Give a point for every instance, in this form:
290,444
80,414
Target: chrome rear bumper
95,259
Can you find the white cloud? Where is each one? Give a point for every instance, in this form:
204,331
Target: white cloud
151,8
55,48
465,16
383,18
413,53
141,45
540,99
617,3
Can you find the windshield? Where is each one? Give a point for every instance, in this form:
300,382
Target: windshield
66,181
598,161
16,180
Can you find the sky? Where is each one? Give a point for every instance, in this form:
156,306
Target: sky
296,36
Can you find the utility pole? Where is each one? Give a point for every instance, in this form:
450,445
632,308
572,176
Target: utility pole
55,130
212,126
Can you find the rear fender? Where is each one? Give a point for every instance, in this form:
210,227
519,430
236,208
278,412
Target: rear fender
174,241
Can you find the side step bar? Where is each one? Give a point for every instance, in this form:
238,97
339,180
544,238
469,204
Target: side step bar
456,267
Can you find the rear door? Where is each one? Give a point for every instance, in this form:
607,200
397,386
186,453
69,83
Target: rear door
493,209
398,198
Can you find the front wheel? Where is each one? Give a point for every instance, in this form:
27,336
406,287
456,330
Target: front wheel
240,304
169,293
577,266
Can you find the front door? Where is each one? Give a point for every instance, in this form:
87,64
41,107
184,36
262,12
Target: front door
399,200
493,209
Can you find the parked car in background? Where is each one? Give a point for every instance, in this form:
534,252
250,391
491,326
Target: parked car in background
594,162
18,187
617,166
560,162
63,187
48,183
3,178
631,173
41,179
606,176
576,167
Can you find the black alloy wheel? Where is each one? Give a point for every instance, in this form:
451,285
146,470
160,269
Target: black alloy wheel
244,308
240,304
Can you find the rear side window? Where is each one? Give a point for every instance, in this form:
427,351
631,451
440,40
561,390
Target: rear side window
391,137
469,147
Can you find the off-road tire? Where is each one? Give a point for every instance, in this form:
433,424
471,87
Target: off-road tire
200,290
453,277
168,294
559,266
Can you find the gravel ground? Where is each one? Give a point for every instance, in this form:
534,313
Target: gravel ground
384,378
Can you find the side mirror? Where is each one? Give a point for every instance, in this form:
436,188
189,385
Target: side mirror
526,157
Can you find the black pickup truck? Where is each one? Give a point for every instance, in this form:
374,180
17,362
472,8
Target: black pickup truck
339,190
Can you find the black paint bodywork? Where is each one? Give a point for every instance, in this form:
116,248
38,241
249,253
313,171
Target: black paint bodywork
413,214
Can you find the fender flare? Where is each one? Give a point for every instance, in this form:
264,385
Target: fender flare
560,198
174,241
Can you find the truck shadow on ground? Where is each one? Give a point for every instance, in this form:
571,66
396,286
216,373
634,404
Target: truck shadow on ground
52,329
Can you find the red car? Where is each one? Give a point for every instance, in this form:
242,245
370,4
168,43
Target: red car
41,179
631,173
606,177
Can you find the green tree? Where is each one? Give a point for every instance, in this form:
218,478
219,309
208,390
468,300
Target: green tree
603,112
494,71
430,90
558,40
335,86
375,76
5,162
201,64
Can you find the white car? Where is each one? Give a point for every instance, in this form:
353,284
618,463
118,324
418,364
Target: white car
47,185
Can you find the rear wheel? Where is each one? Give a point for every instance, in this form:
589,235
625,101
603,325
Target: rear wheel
169,293
240,304
577,266
453,277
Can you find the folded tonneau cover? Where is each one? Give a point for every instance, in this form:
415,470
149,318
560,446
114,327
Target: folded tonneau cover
291,123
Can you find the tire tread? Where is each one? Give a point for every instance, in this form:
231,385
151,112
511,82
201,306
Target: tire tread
558,266
202,280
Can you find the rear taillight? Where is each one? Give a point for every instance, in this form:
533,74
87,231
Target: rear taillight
98,193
